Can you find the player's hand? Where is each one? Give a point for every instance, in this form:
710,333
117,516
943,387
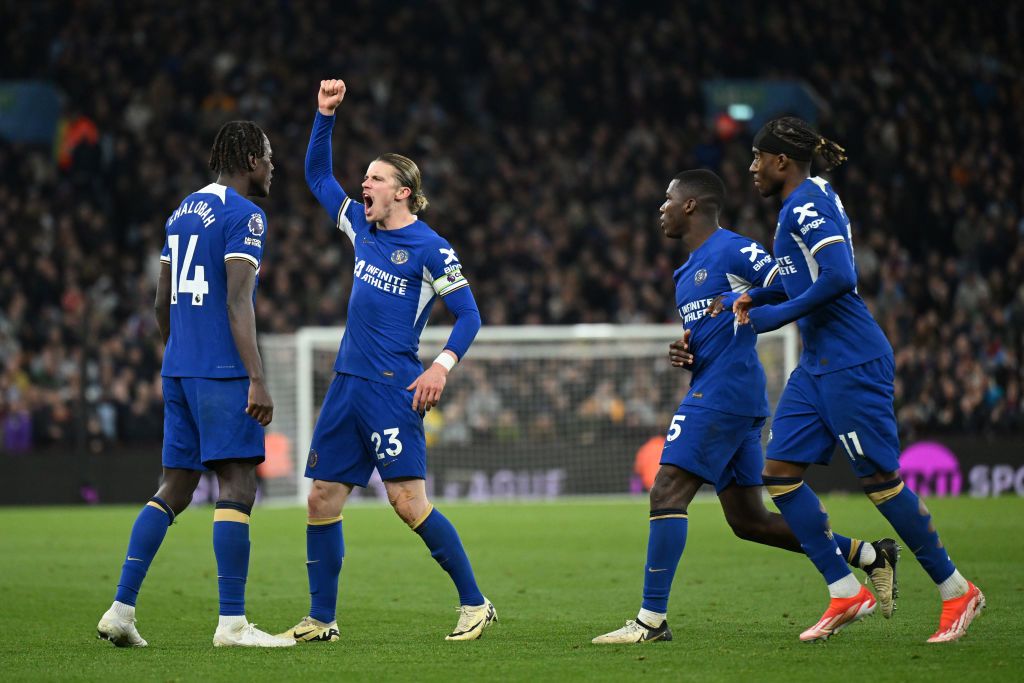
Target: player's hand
716,306
332,92
428,388
741,309
260,407
679,351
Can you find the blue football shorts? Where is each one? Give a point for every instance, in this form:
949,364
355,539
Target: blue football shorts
851,408
205,421
720,448
365,425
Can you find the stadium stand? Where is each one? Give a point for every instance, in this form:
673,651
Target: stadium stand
545,156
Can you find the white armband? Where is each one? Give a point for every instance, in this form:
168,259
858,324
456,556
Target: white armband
446,360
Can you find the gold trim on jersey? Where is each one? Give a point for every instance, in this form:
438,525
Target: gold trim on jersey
835,239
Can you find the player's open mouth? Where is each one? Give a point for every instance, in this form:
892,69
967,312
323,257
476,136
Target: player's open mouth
367,200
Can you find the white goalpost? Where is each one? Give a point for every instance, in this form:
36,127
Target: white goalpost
532,412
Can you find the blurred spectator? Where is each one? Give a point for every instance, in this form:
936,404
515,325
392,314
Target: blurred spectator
545,155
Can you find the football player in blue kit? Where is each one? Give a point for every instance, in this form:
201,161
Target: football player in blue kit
841,393
216,402
372,413
715,435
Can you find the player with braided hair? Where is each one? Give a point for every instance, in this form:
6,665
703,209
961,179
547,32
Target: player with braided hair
841,393
234,147
216,402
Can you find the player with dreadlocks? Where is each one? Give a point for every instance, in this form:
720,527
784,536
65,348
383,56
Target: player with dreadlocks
841,393
211,369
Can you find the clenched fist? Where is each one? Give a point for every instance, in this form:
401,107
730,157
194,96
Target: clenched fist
332,92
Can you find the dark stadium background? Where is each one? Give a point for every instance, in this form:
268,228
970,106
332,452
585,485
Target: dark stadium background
546,133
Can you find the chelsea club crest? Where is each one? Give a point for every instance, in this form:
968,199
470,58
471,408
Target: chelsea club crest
700,276
399,256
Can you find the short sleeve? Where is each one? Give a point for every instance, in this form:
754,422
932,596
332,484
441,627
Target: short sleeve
445,268
165,253
246,238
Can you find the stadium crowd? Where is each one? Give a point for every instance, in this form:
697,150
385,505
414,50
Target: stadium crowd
546,134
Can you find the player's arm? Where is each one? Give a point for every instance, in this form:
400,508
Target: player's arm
452,286
836,277
242,318
162,305
429,386
764,286
319,165
771,292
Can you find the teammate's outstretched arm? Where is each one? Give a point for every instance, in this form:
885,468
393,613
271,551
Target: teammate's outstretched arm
836,277
429,386
242,318
319,165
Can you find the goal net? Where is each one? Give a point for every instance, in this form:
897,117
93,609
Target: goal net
532,412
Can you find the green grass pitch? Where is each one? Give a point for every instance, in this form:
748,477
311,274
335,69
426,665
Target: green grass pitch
558,573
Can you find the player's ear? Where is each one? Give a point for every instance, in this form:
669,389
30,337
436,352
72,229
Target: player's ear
403,193
252,162
690,205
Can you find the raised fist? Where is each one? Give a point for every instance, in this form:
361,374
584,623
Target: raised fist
332,92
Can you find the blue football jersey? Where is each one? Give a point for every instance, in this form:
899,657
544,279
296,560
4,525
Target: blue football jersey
210,227
727,373
842,333
398,276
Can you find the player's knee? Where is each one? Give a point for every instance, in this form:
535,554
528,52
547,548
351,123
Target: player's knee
323,501
237,481
671,489
176,491
745,529
243,492
179,504
409,506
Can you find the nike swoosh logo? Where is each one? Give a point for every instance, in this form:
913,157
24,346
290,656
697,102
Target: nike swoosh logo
312,561
133,559
469,630
296,635
656,570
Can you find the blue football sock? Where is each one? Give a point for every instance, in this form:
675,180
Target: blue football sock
147,534
849,547
445,547
231,548
325,550
665,542
806,516
912,521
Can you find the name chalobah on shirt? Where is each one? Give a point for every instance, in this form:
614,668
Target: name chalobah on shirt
694,310
381,279
200,208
